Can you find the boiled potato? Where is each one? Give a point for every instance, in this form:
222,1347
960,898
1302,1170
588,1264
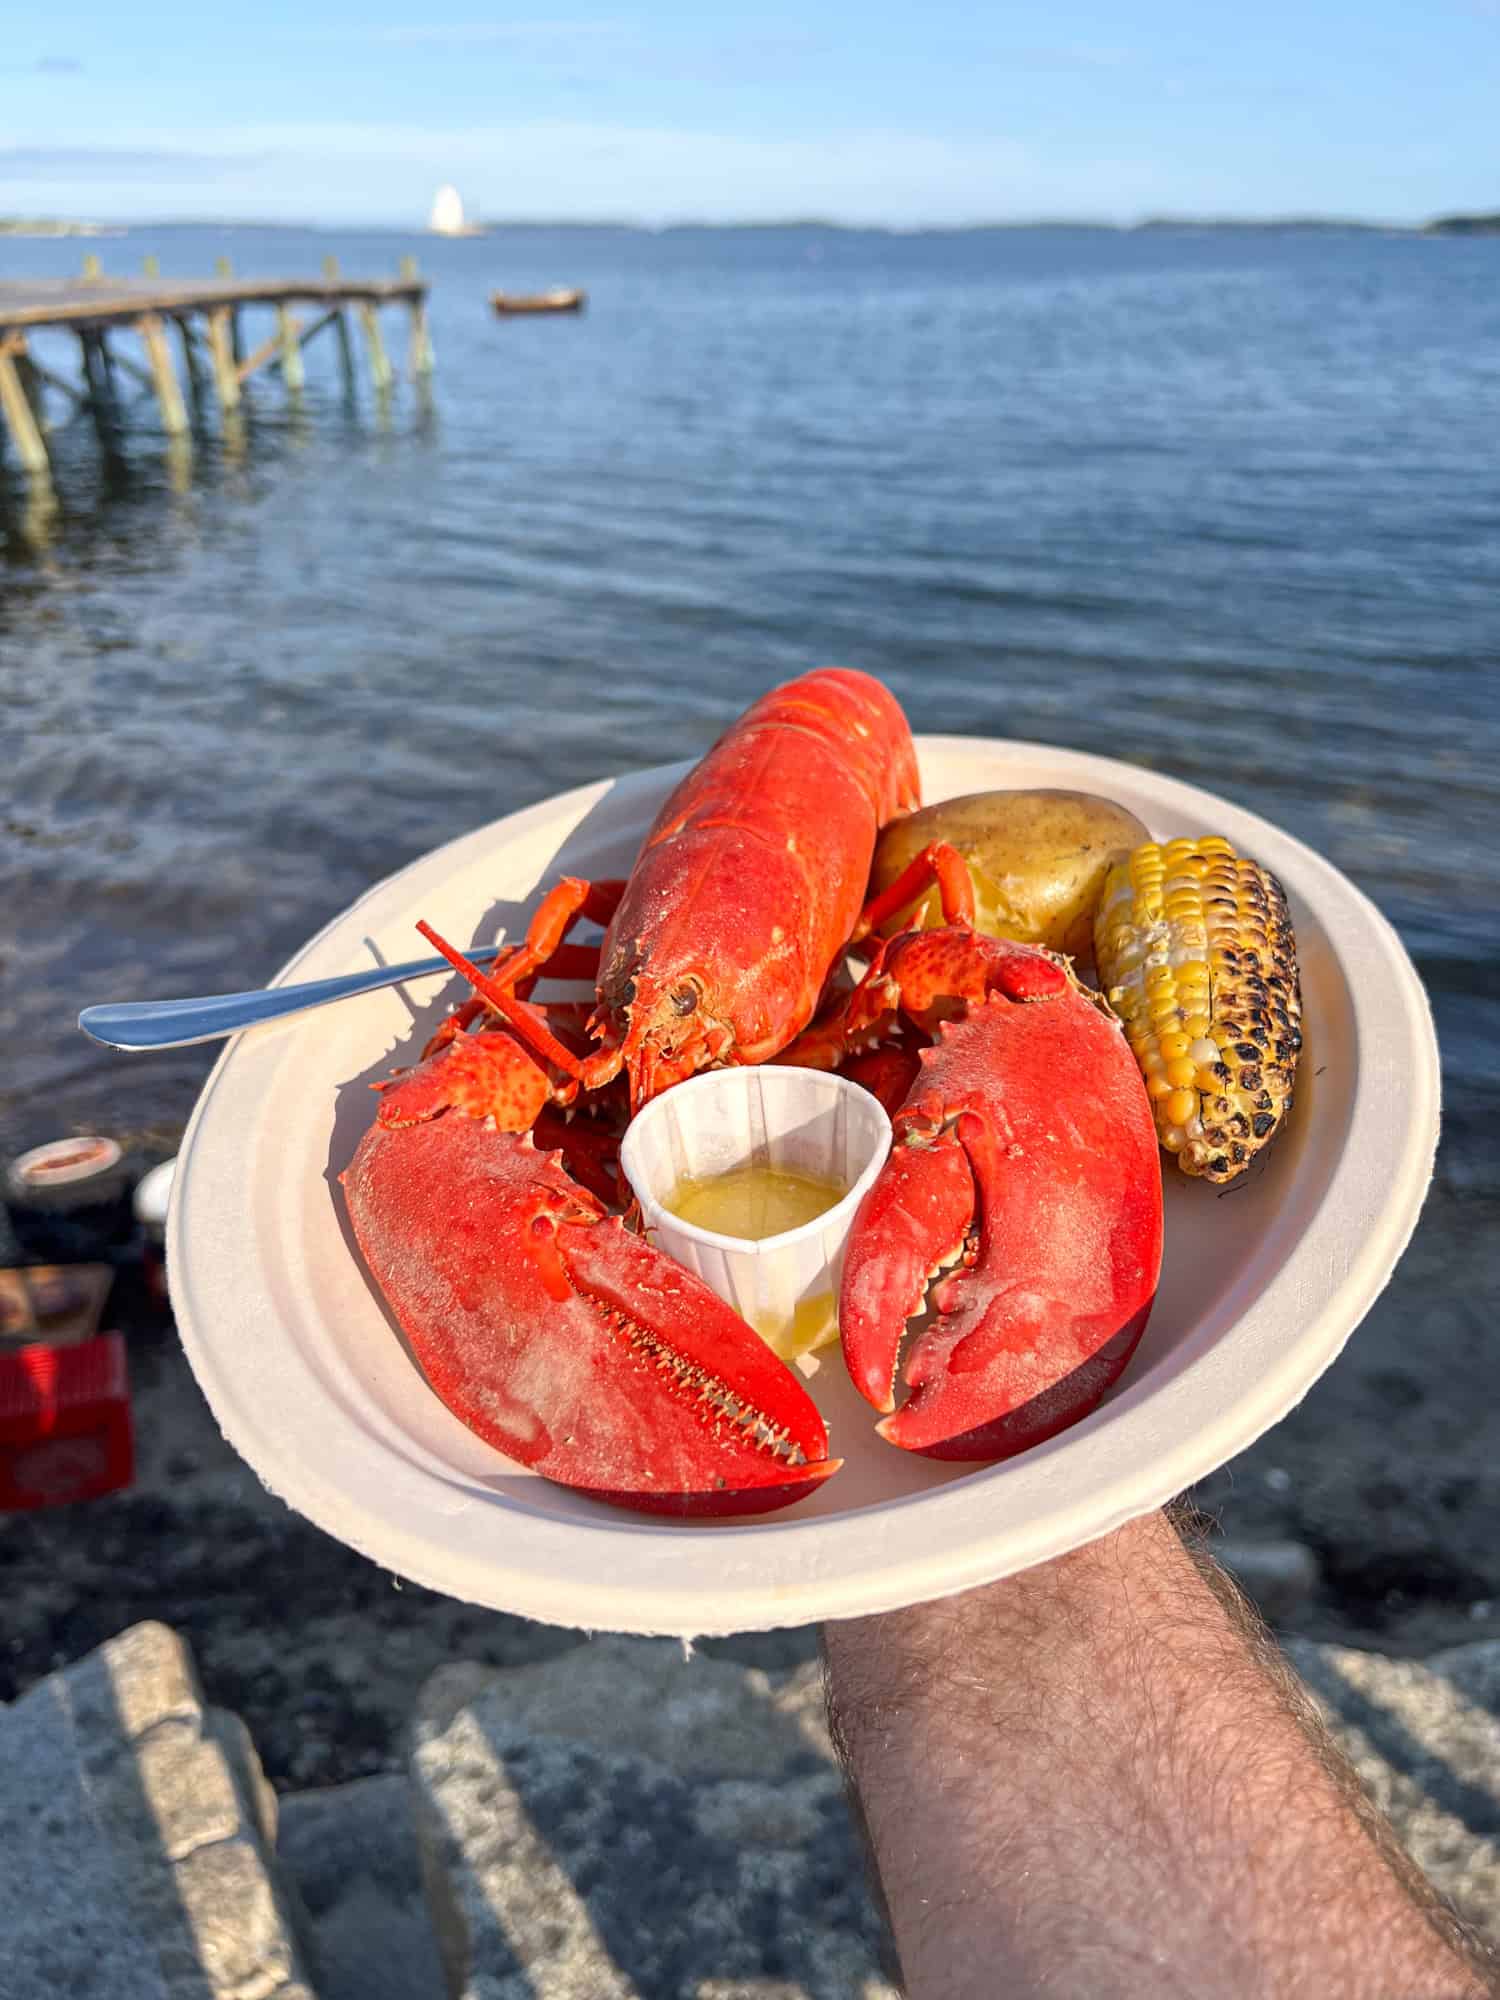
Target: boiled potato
1038,861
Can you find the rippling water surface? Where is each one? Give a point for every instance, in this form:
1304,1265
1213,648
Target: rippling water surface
1224,505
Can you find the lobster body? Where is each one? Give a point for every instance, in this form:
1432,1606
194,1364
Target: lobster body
750,882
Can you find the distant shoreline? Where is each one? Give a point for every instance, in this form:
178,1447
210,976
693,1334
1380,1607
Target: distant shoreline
44,226
1475,224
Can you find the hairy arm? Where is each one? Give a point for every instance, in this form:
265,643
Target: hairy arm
1098,1779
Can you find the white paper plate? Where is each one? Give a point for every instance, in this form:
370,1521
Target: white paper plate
1262,1284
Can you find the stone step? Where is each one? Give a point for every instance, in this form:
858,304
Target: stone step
135,1826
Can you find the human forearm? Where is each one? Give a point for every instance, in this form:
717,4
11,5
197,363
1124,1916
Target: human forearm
1087,1780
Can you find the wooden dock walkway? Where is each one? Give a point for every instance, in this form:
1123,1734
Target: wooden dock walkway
206,314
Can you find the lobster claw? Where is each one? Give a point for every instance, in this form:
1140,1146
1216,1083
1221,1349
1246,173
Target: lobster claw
571,1346
1024,1180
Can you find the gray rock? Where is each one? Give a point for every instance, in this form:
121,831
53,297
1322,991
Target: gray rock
690,1713
625,1824
58,1897
131,1827
351,1854
1277,1577
1425,1740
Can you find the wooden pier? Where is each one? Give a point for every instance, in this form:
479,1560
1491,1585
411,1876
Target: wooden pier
207,316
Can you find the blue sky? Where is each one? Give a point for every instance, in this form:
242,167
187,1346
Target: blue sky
854,109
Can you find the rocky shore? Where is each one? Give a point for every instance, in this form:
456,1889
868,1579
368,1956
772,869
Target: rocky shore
1381,1489
1362,1525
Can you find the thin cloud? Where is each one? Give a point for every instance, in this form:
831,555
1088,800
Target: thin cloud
133,162
478,34
1070,56
58,66
595,170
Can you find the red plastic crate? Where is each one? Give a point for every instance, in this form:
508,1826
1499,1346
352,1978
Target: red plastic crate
65,1430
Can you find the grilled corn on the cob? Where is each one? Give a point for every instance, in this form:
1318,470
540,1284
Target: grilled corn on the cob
1194,948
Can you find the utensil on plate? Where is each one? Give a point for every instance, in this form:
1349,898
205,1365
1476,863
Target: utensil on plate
174,1024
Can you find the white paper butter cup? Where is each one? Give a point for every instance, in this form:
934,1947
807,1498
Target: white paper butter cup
794,1120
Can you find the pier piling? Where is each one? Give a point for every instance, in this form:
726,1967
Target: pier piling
287,330
346,354
191,365
174,415
380,366
31,378
104,405
221,348
419,358
20,420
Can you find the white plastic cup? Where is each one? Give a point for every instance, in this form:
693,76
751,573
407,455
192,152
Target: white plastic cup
153,1192
793,1120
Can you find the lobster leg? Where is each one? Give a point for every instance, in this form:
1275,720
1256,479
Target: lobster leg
543,952
572,1347
590,1151
937,863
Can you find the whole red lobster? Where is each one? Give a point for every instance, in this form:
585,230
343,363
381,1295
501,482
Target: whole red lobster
1023,1179
569,1344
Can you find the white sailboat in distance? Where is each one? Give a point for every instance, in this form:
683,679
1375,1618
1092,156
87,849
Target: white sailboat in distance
447,217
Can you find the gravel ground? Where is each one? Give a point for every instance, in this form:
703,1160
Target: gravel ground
1389,1473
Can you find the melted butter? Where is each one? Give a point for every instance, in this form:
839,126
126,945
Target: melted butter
753,1202
813,1325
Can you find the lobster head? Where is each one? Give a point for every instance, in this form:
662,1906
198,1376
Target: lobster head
750,882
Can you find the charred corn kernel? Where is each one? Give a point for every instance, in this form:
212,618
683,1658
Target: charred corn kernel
1194,948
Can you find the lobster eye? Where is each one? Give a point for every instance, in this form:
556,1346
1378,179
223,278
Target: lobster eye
684,1000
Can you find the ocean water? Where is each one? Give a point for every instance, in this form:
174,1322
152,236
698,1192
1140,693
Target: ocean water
1223,504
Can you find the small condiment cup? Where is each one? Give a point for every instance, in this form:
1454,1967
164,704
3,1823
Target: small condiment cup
67,1174
801,1121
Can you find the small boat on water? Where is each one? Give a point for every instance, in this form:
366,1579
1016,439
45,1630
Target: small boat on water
558,300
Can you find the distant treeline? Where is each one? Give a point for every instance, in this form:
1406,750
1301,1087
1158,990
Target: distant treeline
1464,225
